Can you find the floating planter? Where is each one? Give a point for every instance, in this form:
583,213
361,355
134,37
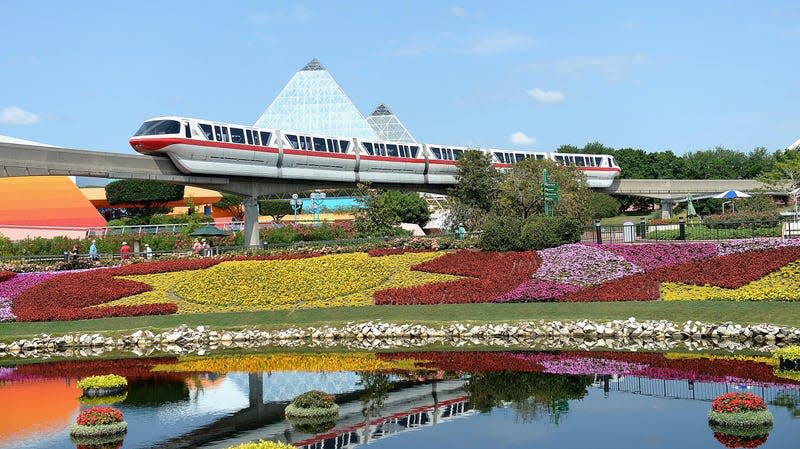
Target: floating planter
312,412
263,445
789,357
100,386
740,420
103,400
99,426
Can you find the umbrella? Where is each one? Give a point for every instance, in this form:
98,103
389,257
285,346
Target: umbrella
690,206
731,194
208,231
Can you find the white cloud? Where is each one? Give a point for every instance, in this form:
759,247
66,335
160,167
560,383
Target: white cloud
520,138
458,12
500,43
13,115
546,96
612,66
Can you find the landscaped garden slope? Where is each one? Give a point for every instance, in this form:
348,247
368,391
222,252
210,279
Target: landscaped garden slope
764,269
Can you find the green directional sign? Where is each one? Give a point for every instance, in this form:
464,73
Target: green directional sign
549,194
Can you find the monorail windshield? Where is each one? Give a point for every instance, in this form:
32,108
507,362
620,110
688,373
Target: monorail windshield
157,127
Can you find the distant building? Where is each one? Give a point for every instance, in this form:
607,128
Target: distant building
388,126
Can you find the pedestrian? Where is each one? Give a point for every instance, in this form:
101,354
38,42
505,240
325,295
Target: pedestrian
203,247
125,251
460,232
74,253
196,246
93,254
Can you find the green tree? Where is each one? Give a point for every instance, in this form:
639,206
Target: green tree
409,207
383,211
719,163
521,195
143,198
277,209
603,205
233,204
758,162
477,180
785,174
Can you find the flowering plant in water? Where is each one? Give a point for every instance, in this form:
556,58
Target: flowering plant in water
738,402
97,416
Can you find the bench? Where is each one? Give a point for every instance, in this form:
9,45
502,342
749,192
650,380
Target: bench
790,229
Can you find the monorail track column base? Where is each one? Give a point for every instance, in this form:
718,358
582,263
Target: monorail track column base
251,236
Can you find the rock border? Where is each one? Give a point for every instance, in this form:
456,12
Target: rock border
627,334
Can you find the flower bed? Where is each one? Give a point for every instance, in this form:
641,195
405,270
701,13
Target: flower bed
749,245
107,385
131,369
741,437
6,275
323,362
583,265
782,285
472,361
739,410
656,255
538,290
263,445
497,273
380,252
788,357
99,422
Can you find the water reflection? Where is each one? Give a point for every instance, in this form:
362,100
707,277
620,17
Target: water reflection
426,399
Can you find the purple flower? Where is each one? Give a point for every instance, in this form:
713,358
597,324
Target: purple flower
656,255
11,288
538,290
582,265
746,245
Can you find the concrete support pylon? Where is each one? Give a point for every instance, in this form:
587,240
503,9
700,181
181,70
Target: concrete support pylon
667,210
251,236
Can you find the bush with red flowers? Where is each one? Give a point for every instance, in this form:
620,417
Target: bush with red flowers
739,410
98,422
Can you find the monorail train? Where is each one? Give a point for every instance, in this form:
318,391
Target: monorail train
206,147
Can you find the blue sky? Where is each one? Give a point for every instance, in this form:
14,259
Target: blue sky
679,75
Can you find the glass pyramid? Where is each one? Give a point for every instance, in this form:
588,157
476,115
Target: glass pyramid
388,126
313,102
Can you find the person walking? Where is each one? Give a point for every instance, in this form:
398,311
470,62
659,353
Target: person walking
148,252
125,251
196,247
94,256
74,253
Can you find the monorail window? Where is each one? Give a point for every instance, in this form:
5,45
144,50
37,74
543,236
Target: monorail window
225,135
457,154
344,145
207,131
157,127
332,147
237,135
391,150
305,143
319,144
579,161
519,157
539,157
560,159
218,133
256,140
187,130
293,141
500,158
249,136
368,147
380,149
265,138
613,162
414,151
436,152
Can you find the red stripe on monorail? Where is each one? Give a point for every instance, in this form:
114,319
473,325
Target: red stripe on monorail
392,159
150,144
319,154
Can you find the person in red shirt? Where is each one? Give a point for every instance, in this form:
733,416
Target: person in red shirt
125,251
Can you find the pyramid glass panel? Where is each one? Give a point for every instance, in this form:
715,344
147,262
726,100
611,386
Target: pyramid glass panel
388,126
313,102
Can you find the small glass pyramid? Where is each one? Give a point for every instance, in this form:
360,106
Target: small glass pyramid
388,127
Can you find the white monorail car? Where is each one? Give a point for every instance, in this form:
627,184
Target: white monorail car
207,147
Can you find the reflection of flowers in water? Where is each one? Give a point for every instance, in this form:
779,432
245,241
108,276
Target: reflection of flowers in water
741,437
740,420
7,374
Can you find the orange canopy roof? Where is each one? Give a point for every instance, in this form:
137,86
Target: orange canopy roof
45,201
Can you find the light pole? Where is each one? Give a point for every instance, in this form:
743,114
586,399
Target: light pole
297,204
316,204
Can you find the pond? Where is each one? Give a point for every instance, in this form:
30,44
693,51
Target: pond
469,399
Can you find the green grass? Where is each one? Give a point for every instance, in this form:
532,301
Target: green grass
781,313
633,217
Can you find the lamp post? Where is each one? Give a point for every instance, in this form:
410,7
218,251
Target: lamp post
316,204
297,204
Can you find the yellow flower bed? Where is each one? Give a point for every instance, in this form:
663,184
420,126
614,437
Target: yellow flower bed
327,281
783,285
746,358
324,362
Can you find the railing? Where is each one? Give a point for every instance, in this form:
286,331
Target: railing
693,230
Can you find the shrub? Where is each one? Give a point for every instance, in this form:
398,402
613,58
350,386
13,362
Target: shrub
743,220
541,232
739,410
276,209
603,205
502,233
99,421
314,399
313,412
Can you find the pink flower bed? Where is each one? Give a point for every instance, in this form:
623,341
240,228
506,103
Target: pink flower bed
655,255
538,290
727,247
582,265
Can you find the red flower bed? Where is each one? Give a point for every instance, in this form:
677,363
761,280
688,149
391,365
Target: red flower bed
738,402
100,416
465,361
379,252
638,287
70,296
131,369
731,271
497,273
6,275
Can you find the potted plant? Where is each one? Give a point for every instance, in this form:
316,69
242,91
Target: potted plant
744,437
312,412
108,385
99,426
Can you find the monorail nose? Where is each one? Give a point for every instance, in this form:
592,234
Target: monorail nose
147,145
